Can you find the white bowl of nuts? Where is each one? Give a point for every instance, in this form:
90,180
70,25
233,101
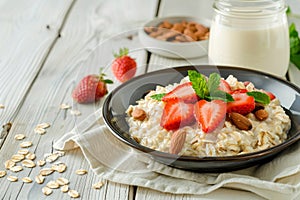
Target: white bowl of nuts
176,37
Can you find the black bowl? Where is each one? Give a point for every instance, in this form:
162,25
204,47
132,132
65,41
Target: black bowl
118,101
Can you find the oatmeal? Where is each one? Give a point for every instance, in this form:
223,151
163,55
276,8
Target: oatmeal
244,120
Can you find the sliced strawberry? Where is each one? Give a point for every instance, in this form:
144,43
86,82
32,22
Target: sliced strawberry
210,114
184,92
246,83
242,104
270,94
224,86
177,114
239,91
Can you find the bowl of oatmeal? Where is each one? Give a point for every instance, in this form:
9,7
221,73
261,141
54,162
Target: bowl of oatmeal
179,37
241,118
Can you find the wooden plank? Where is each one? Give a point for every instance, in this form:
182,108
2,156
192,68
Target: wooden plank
158,62
28,30
86,43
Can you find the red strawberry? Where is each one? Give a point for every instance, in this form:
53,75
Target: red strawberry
91,88
210,114
123,67
270,94
177,114
239,91
184,92
242,104
224,86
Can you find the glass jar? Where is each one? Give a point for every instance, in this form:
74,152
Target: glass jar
251,34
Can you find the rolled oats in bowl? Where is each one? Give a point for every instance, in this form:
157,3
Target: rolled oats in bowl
208,116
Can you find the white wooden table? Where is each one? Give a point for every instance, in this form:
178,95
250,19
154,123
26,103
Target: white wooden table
46,47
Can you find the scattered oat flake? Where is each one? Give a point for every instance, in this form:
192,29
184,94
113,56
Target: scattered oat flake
16,168
53,185
41,163
59,153
2,106
23,151
2,173
43,125
9,164
64,188
19,136
30,156
26,144
51,158
73,193
46,171
39,179
81,171
12,178
40,131
28,163
75,112
98,185
17,157
64,106
61,167
62,181
46,191
26,180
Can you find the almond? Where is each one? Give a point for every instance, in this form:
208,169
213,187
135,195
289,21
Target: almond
177,141
259,106
240,121
261,114
138,114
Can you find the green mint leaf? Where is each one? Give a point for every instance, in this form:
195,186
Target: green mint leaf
199,83
288,10
220,95
213,82
294,46
296,60
260,97
158,97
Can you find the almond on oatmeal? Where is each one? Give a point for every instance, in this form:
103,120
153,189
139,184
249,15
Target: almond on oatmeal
261,114
138,114
177,141
240,121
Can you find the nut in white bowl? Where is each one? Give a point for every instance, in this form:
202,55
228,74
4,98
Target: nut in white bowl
173,43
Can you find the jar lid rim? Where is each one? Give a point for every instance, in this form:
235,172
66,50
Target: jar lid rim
250,8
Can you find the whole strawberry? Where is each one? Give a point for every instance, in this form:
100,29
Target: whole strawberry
91,88
123,66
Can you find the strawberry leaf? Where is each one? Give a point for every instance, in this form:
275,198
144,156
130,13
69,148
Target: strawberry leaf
122,52
158,97
108,81
260,97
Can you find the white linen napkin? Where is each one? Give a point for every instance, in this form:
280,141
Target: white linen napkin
117,162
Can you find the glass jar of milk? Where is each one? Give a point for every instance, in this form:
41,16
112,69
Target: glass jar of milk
251,34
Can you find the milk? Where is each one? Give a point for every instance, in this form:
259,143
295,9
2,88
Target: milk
263,48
